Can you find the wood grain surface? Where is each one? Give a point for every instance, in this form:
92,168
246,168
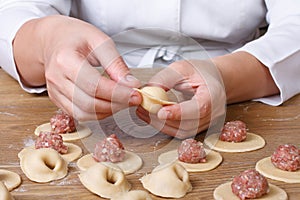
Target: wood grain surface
21,113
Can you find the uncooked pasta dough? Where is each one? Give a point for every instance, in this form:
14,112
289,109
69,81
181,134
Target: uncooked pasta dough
104,181
252,142
10,179
43,165
132,195
266,168
154,98
4,193
73,153
82,132
213,160
223,192
131,163
170,180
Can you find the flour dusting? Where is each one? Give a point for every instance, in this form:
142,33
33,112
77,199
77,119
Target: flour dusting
28,142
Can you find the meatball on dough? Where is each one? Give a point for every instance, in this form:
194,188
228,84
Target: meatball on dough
265,167
213,160
82,132
130,164
224,192
252,142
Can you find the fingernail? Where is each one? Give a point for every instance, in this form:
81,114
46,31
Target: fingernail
164,114
135,98
130,78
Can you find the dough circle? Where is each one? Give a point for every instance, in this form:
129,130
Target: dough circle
82,132
213,158
4,193
266,168
169,180
131,163
132,195
43,165
224,191
73,153
252,142
104,181
10,179
154,98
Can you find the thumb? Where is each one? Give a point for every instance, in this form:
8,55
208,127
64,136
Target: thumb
114,65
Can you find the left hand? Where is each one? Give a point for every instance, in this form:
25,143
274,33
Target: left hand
198,80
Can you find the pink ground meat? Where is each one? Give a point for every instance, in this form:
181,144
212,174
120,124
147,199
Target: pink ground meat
249,184
109,149
286,157
61,123
51,140
233,131
191,151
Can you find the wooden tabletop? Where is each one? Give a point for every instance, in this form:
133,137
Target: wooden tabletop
21,113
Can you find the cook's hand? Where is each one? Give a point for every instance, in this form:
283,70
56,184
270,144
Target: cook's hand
198,80
63,59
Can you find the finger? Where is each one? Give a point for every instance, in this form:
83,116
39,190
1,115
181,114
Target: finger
85,102
176,73
64,103
186,127
166,129
74,94
75,102
114,65
187,110
94,105
167,78
89,80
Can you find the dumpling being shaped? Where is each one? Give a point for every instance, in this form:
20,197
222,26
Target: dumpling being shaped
169,180
154,98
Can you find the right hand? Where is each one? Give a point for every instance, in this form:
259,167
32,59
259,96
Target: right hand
62,57
202,103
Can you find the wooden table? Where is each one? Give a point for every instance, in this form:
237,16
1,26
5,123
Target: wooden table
21,113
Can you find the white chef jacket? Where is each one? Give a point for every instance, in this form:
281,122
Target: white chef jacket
220,26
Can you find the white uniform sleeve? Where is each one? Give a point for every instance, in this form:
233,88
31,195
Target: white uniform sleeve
13,14
279,48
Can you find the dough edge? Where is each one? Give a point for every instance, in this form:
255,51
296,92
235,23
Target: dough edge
88,161
4,193
132,195
214,159
153,98
252,143
73,153
12,180
266,168
83,131
167,175
224,191
30,169
90,179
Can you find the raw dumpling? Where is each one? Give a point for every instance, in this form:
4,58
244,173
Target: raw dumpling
104,181
132,195
43,165
10,179
171,181
4,193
